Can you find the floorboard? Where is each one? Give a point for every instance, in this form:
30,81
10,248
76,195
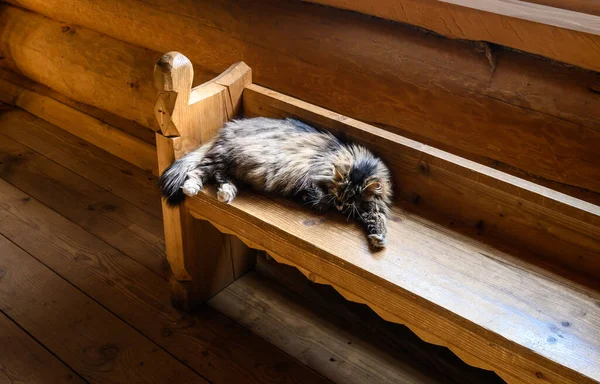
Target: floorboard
313,337
98,345
86,227
92,163
112,219
209,343
24,360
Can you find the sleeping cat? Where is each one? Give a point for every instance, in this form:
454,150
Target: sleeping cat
288,158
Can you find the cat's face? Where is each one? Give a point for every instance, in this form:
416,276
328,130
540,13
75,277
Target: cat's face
351,190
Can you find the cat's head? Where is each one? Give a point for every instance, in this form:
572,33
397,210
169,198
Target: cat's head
359,182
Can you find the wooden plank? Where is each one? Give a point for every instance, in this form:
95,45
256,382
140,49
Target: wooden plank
109,172
209,342
19,82
26,361
312,337
122,225
556,228
112,140
365,324
490,308
94,342
560,34
512,114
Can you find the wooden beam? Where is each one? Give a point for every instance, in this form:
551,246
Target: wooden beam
560,34
16,82
511,115
81,64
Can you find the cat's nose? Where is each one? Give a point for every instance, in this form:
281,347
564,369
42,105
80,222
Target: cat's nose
339,207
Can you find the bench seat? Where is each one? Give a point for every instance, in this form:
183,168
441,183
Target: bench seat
492,309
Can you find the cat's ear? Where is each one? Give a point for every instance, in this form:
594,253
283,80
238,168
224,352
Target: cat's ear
338,173
373,187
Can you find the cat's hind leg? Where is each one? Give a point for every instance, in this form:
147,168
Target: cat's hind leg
226,190
194,182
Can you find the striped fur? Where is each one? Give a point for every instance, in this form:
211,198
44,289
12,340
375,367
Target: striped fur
288,158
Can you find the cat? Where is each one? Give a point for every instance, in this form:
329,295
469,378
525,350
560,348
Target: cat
288,158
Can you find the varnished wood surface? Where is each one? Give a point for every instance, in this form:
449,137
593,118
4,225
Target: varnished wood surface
114,220
115,175
23,360
558,229
365,324
98,345
318,340
492,309
507,110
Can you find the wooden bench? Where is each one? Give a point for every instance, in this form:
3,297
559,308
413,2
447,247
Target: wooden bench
501,271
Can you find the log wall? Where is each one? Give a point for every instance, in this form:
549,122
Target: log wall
520,114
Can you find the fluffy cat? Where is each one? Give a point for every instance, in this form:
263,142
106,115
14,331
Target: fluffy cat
288,158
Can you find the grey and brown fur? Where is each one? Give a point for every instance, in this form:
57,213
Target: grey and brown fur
288,158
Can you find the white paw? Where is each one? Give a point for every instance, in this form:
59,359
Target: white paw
191,187
377,240
226,193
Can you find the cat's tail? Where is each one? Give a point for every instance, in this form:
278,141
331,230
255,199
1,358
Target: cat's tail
172,180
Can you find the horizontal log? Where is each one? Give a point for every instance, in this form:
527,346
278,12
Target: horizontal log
16,83
560,34
81,64
102,135
507,110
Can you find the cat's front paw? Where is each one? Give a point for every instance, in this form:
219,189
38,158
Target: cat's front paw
226,193
376,240
191,187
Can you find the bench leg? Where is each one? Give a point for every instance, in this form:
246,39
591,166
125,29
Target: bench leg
203,260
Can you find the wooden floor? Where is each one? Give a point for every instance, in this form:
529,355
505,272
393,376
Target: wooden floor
84,294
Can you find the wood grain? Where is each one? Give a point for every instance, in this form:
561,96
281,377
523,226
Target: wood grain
102,135
449,289
97,344
558,229
443,92
312,337
120,224
110,74
560,34
19,82
365,325
26,361
109,172
209,342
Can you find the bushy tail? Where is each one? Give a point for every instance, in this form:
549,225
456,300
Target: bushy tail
173,178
